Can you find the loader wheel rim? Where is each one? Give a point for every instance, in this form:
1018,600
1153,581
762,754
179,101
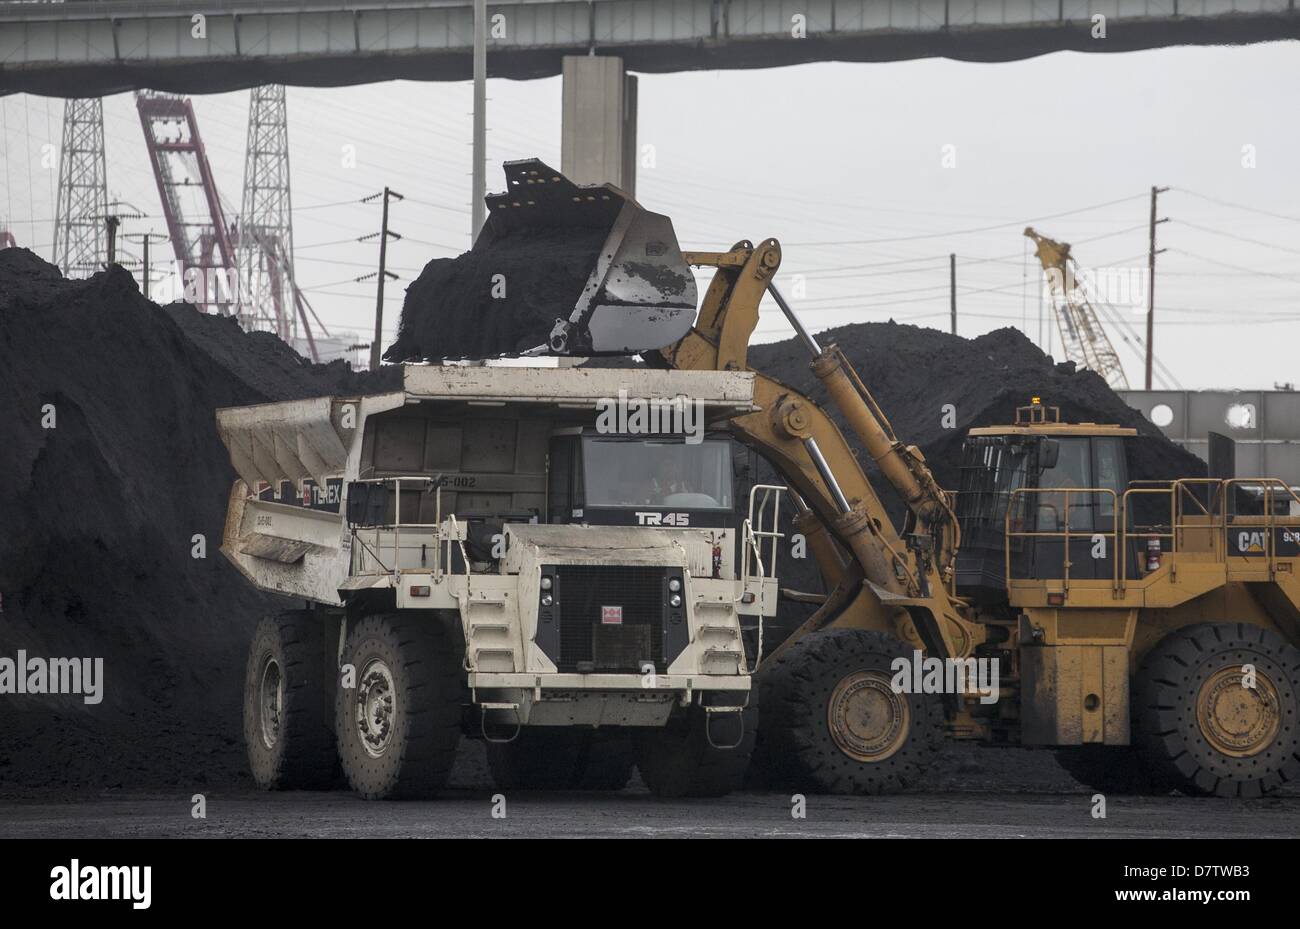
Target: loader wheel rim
375,704
1237,720
270,702
868,720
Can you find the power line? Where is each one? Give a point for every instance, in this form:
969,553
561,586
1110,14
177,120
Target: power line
1237,206
1215,261
1239,238
939,235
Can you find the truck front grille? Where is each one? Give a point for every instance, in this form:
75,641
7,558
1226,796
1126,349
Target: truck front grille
587,592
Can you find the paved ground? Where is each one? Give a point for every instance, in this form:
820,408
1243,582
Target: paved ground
635,814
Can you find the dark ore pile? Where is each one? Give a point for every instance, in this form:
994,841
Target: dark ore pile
914,372
456,307
99,514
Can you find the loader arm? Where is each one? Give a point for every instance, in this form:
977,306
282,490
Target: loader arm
902,584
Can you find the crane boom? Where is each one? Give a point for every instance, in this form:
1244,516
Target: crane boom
1082,336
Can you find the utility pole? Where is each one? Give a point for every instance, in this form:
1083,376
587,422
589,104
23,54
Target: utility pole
146,281
479,173
376,346
1151,283
952,289
111,223
112,216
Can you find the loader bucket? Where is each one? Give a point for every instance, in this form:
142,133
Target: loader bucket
558,269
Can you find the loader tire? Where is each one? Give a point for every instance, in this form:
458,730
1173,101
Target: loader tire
1201,727
399,726
288,710
1112,769
546,758
677,760
833,724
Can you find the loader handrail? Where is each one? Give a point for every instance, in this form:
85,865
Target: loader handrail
1064,533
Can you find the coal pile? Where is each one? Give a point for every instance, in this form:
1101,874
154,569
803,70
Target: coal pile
100,514
501,298
915,372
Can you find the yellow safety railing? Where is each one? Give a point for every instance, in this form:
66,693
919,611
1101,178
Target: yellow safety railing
1203,506
1064,533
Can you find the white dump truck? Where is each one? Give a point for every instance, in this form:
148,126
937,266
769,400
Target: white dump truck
508,553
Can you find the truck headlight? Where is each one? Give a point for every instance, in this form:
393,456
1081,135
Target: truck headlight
675,600
547,599
546,582
674,585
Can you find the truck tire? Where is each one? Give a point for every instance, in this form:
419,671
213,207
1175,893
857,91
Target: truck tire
678,761
1112,769
288,713
547,758
399,726
880,742
1200,727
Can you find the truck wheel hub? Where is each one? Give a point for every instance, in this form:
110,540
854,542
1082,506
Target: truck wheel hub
868,720
270,701
374,707
1238,720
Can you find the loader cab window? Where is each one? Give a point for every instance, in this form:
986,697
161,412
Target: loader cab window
1072,471
1081,462
993,467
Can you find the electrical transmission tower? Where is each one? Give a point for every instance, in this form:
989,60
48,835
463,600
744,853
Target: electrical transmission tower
265,243
1082,336
79,231
269,297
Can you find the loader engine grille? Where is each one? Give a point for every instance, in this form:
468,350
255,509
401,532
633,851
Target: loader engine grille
611,618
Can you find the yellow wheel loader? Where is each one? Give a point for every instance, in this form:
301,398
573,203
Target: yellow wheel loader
1150,628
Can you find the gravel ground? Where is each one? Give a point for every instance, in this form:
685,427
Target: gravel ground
635,814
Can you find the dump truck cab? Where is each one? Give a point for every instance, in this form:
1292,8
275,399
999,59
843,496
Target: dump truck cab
573,535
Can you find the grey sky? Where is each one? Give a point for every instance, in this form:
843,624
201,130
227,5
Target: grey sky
830,159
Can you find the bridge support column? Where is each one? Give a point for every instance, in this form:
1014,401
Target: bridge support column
598,122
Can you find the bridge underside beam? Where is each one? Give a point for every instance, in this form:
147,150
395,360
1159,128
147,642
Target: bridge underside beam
78,49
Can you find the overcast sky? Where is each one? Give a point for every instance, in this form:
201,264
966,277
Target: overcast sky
845,164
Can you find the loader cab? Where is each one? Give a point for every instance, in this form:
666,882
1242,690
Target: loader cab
1041,491
647,480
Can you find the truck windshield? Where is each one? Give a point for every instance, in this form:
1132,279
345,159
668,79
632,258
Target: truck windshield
657,473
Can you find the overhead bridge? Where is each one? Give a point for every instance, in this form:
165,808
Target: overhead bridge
82,48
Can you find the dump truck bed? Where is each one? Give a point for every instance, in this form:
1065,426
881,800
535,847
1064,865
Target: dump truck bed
286,528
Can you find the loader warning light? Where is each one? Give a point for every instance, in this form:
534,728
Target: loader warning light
1056,599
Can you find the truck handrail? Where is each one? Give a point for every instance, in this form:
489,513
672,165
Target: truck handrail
752,535
397,525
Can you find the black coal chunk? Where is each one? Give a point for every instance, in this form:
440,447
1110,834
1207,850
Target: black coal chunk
501,298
